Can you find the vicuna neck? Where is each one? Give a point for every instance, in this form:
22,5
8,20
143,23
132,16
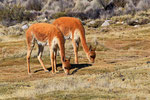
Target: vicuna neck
62,49
83,42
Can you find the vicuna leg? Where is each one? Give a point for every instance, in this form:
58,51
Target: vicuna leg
55,61
40,52
52,60
75,46
30,45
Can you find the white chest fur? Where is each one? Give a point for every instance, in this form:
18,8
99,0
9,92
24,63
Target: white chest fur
54,44
42,43
77,35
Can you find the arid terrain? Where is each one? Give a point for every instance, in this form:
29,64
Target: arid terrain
121,70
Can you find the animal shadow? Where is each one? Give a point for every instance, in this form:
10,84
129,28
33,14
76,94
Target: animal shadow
73,66
78,67
49,69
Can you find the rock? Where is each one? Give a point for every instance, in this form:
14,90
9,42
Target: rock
25,27
106,23
92,22
120,23
137,26
45,19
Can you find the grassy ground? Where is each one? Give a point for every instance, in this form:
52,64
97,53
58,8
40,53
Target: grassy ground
121,70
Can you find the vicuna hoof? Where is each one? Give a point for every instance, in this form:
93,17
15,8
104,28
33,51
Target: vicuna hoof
46,71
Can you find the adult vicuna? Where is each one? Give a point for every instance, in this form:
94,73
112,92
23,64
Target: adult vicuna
43,34
73,29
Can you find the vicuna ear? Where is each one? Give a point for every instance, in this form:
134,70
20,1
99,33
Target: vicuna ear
90,48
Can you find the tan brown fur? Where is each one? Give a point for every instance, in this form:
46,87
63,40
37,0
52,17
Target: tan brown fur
43,33
69,27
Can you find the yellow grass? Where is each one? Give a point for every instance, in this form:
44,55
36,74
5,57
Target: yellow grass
121,70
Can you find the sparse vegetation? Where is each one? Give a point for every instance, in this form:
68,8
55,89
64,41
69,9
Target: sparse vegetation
83,9
34,5
121,66
121,69
59,14
11,15
139,18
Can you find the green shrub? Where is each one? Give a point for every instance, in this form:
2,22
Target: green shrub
59,14
120,3
96,24
34,5
121,18
143,13
138,20
14,13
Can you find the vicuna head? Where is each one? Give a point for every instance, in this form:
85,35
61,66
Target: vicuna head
92,54
66,65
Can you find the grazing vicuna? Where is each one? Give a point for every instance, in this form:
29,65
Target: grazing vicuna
73,29
43,34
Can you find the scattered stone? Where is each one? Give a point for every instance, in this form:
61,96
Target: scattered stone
106,23
94,23
137,26
24,27
45,19
120,23
136,21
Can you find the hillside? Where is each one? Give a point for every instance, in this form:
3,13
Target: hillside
16,11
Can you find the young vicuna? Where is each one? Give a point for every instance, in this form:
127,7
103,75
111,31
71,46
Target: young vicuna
43,34
73,29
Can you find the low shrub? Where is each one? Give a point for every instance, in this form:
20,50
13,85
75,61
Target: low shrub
143,5
81,5
120,3
59,14
58,5
138,20
143,13
123,18
79,15
95,24
13,14
34,5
